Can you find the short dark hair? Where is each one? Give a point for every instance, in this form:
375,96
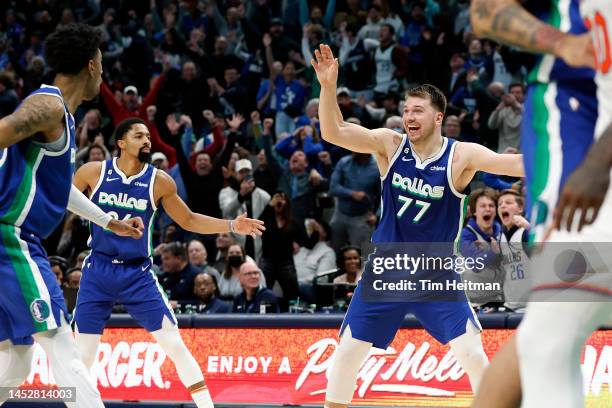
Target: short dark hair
515,85
176,249
431,92
70,48
124,126
481,192
390,27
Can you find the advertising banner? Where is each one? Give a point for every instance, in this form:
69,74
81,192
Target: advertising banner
289,366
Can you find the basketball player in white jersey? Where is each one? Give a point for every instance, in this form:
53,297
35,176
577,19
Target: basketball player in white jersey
552,334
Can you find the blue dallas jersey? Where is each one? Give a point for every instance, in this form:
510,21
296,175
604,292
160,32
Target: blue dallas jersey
124,197
419,202
35,182
565,16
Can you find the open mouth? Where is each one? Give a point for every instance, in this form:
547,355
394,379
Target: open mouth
487,217
505,215
413,129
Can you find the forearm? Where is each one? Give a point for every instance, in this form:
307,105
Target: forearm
330,117
508,22
203,224
83,207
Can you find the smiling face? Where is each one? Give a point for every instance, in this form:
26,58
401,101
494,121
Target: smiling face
507,207
485,212
420,119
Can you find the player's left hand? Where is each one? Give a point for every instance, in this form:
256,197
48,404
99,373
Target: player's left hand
584,190
248,226
132,227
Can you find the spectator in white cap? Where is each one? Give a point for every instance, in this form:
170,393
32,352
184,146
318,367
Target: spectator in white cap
159,160
243,196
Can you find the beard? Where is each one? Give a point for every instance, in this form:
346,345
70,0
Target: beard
144,157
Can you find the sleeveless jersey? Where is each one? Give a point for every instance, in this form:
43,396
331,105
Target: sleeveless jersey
35,182
124,197
384,70
515,263
597,15
418,201
565,16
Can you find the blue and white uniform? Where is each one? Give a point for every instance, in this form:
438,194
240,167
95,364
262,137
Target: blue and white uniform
419,205
35,182
119,268
559,120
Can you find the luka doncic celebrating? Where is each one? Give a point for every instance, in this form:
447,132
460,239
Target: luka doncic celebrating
119,270
423,177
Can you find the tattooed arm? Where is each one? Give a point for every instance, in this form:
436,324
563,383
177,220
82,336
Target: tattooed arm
507,22
37,114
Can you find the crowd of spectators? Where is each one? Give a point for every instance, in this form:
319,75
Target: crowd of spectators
230,98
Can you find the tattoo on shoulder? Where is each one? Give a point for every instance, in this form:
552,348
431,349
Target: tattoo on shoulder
34,114
483,8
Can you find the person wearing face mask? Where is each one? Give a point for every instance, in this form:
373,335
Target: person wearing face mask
229,283
480,240
314,257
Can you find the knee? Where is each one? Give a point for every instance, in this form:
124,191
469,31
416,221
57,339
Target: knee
18,365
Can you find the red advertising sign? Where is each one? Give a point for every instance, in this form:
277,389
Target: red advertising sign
289,366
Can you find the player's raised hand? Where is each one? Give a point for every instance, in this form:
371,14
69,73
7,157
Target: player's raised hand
576,50
132,227
325,65
248,226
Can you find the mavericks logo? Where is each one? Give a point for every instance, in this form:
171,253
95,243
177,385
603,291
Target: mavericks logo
122,200
40,310
417,187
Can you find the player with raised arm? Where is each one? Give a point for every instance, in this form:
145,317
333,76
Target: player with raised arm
423,178
119,269
37,155
567,146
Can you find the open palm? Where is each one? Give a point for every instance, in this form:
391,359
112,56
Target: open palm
325,65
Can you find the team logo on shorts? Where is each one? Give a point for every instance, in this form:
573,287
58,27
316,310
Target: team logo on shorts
40,310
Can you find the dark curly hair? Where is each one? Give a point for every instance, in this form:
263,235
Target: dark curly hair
69,48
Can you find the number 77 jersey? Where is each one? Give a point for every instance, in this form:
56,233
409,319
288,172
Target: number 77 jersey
419,202
597,16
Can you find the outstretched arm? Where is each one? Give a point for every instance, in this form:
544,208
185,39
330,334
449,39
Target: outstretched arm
479,158
507,22
382,142
165,192
37,113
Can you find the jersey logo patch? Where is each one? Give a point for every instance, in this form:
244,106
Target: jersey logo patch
406,159
122,200
139,184
112,179
417,187
72,155
438,168
40,310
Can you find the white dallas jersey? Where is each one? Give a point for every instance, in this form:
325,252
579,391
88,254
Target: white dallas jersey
515,264
597,15
385,69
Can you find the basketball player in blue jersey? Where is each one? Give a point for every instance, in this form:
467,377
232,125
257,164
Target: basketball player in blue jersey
567,142
423,177
37,154
119,269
